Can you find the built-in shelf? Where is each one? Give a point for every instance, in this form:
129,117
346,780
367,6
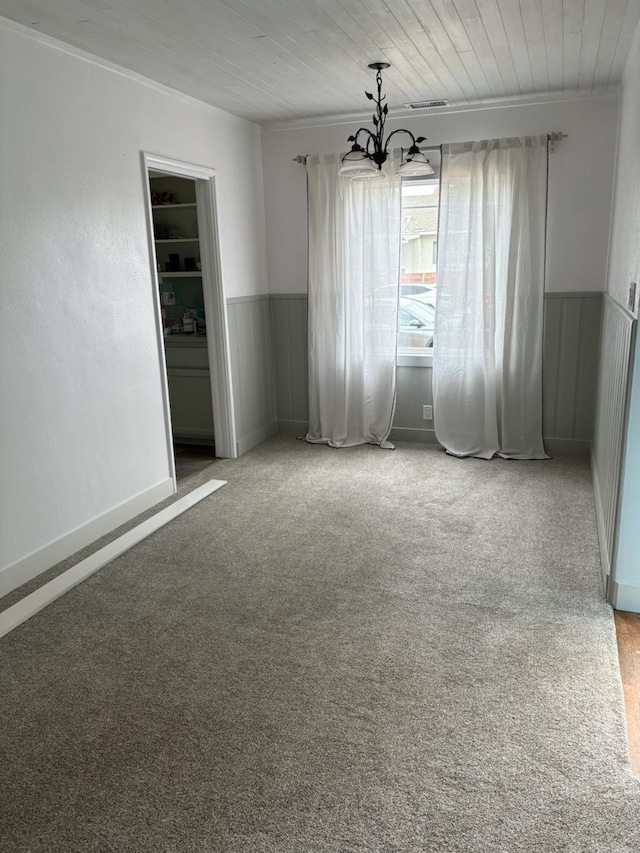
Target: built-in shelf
180,240
177,251
165,274
173,206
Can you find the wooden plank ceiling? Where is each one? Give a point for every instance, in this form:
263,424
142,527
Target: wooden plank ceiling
280,60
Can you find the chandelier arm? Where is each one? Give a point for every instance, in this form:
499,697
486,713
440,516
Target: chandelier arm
370,136
363,130
393,132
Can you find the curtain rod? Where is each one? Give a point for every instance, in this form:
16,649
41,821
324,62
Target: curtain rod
552,138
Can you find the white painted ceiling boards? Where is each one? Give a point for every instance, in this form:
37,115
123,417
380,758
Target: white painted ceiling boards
282,60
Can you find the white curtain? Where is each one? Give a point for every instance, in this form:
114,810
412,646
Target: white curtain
354,250
487,360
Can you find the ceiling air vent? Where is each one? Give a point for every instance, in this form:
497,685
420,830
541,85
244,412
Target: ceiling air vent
422,105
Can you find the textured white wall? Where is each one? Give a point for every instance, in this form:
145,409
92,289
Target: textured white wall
581,179
624,261
81,420
624,267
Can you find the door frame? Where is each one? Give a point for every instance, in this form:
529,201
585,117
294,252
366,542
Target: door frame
215,302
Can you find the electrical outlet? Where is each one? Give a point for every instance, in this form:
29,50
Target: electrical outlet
631,302
427,413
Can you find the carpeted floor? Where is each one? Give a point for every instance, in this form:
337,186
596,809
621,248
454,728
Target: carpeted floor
354,650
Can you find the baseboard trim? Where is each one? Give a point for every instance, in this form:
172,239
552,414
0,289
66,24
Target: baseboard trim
49,592
257,437
574,294
625,596
29,567
420,436
201,436
567,446
605,562
194,441
293,427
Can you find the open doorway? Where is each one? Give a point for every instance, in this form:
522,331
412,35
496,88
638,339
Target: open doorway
174,213
191,314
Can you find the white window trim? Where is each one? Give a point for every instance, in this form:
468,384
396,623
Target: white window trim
406,358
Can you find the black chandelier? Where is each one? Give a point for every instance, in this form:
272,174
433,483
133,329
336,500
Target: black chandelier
365,163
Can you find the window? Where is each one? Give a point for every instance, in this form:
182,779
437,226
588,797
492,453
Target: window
418,257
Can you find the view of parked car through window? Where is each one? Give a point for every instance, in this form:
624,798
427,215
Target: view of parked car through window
419,250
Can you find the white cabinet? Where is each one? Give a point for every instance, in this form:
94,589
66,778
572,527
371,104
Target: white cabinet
189,390
190,399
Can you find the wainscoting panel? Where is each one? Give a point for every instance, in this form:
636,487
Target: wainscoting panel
289,324
570,360
252,371
414,390
570,364
618,333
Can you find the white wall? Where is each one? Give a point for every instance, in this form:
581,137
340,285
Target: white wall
624,267
624,261
581,178
82,422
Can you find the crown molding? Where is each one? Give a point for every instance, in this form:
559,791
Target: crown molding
404,113
78,53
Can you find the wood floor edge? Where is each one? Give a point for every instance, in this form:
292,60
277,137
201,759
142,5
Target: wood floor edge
628,639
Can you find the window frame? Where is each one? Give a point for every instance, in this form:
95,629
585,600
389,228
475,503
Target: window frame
414,356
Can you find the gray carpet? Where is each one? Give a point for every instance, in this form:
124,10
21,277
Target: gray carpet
354,650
